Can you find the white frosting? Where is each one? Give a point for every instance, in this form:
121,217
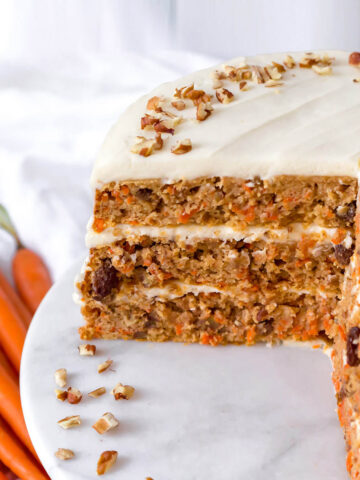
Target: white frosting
190,233
177,289
308,126
183,289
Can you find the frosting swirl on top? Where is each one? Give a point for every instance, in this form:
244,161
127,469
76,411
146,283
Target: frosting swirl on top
307,124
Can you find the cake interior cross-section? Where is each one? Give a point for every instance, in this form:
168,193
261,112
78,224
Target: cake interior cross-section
226,211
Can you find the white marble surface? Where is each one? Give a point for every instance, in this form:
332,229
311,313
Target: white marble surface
199,413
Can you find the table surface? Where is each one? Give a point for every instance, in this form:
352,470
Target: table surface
198,413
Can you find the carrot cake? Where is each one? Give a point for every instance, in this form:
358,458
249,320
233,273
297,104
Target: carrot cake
226,211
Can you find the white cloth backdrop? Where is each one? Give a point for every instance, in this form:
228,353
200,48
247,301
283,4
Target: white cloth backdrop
51,126
69,67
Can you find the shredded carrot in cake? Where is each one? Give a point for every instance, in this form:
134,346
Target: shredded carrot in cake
339,236
178,328
349,462
125,190
341,332
185,217
98,225
250,335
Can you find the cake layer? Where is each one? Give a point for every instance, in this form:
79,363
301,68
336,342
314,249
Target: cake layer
282,200
253,270
208,318
308,123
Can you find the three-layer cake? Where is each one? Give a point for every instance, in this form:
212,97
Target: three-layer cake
225,207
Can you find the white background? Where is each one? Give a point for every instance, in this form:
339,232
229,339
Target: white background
69,67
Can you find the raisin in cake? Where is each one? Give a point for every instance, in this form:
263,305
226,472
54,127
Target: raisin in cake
225,212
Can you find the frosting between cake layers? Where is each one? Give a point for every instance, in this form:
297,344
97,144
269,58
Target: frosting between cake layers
178,289
308,126
189,233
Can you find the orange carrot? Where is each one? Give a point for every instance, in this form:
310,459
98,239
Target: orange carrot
3,476
12,331
10,408
15,300
31,276
16,458
8,367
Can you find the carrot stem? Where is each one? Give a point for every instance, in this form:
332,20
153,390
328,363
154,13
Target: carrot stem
16,458
8,226
10,408
12,331
14,298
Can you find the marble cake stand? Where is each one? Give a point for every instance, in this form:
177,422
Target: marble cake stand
199,413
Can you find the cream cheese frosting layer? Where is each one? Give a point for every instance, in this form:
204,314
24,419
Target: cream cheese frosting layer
178,289
191,233
308,126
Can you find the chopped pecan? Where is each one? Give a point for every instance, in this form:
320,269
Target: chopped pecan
61,377
105,423
309,60
61,394
183,91
146,146
273,83
194,94
246,75
289,61
322,70
74,395
258,74
273,72
122,392
97,392
104,366
234,74
224,95
203,99
70,422
178,104
163,126
148,121
243,85
279,67
106,461
87,350
154,103
203,111
64,454
182,146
